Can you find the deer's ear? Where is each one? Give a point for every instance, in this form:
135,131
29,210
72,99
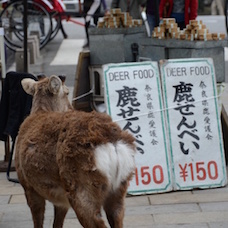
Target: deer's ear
28,85
54,84
62,78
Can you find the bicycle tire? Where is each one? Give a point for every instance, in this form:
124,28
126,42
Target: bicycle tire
39,20
56,24
226,15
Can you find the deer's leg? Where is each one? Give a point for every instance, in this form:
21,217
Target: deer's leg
60,214
37,207
114,206
87,207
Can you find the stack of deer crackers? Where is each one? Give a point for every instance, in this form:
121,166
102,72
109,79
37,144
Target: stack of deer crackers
195,30
167,29
118,19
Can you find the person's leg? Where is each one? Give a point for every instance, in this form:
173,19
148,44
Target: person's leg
89,13
213,8
151,22
93,8
87,33
201,6
86,9
220,7
97,15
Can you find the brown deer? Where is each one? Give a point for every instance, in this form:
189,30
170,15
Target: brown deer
73,159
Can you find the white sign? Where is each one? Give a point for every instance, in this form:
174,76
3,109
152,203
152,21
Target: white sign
193,120
134,100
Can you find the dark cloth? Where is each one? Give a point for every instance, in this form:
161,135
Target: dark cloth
86,6
15,104
150,7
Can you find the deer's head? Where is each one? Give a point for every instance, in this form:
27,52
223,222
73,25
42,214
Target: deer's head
49,93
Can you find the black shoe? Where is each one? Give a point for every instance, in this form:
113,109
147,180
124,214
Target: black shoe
86,45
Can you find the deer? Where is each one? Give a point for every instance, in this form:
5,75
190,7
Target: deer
74,159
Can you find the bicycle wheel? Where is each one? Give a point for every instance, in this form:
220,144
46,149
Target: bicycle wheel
39,20
56,23
226,15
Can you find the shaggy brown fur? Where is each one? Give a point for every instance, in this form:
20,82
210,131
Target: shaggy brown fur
59,157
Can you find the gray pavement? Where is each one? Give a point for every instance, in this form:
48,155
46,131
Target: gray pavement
187,209
182,209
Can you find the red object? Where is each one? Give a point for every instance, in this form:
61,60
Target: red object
54,3
76,22
57,6
189,14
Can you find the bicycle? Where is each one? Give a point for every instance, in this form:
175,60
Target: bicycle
44,17
39,20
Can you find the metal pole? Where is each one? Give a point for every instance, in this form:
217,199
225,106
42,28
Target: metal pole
25,22
157,18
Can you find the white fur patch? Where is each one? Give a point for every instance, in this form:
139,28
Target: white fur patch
116,161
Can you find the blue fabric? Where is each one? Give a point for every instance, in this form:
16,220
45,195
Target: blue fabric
151,22
178,16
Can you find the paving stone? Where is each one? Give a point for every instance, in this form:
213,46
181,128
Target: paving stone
218,225
71,214
138,221
171,197
217,206
188,197
199,225
4,199
4,181
1,215
137,200
23,224
20,198
191,218
15,189
156,209
69,223
208,197
2,175
211,190
17,212
49,210
20,214
13,174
